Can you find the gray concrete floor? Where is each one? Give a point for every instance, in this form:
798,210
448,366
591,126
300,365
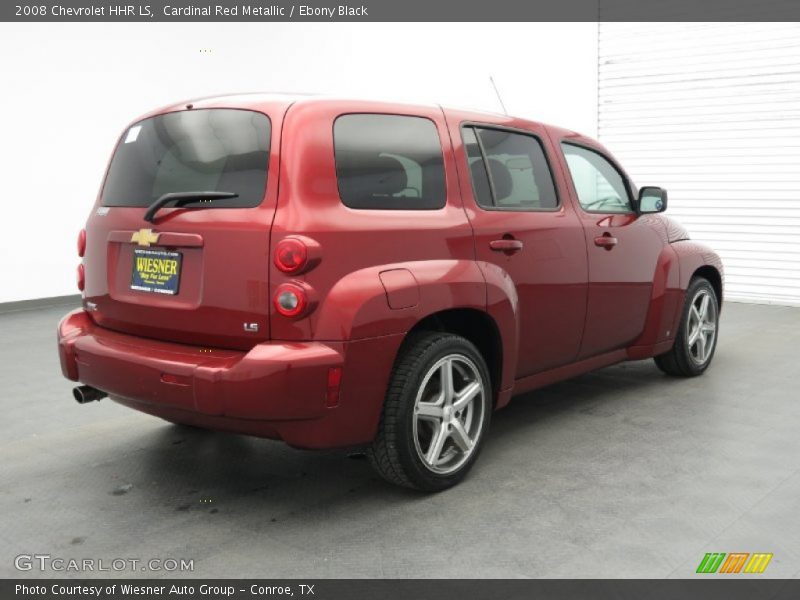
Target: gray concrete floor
620,473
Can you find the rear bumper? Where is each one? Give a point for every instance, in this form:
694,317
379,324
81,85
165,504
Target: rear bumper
275,390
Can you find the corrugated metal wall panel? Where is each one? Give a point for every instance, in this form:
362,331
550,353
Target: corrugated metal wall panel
711,111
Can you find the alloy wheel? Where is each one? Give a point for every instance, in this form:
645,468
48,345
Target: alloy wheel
448,413
701,327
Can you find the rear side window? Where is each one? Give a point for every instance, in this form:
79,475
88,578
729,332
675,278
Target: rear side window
389,162
223,150
509,170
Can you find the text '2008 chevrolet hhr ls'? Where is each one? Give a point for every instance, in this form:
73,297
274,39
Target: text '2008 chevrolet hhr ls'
348,273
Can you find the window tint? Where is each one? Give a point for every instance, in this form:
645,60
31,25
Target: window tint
389,162
518,176
188,151
599,185
477,168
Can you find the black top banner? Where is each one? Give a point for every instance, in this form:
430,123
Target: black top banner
400,10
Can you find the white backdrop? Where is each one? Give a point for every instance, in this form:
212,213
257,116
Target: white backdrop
69,89
711,111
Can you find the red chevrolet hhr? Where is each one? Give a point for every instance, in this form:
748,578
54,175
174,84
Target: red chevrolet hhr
358,274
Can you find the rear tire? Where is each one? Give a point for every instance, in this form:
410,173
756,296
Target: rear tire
696,338
435,415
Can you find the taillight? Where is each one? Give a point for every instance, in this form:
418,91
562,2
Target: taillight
291,255
290,300
81,275
82,243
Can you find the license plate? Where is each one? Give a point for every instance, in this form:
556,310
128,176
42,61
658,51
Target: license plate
157,271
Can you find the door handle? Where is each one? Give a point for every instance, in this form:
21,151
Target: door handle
606,241
506,245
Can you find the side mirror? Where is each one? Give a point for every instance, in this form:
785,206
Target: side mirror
652,200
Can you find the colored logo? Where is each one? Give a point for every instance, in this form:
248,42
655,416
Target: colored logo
735,562
145,237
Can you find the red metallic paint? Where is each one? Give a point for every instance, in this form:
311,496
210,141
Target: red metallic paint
620,275
549,271
224,275
560,305
402,289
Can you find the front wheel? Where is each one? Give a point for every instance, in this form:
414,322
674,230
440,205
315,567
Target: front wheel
696,338
436,413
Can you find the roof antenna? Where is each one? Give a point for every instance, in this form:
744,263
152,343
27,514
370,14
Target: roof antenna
496,91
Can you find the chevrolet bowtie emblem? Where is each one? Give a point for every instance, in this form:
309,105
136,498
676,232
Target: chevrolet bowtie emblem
145,237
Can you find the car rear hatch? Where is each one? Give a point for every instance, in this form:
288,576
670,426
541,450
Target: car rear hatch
197,273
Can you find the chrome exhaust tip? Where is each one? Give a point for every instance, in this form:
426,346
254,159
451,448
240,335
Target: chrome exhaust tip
84,394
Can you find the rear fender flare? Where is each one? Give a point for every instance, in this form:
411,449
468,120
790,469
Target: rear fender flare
357,306
502,305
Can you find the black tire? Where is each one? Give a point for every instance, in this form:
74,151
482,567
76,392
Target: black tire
396,451
682,359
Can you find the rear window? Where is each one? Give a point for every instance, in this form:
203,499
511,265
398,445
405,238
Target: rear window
224,150
389,162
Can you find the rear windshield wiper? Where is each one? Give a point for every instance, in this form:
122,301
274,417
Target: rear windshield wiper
181,198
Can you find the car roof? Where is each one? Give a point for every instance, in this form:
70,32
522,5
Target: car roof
282,100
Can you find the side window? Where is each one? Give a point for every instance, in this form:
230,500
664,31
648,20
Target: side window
389,162
509,170
599,185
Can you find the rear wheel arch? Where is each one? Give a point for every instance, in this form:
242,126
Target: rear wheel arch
474,325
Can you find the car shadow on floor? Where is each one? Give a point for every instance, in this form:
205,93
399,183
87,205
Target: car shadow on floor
203,470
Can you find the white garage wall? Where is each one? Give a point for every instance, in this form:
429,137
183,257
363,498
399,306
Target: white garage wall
68,90
712,113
